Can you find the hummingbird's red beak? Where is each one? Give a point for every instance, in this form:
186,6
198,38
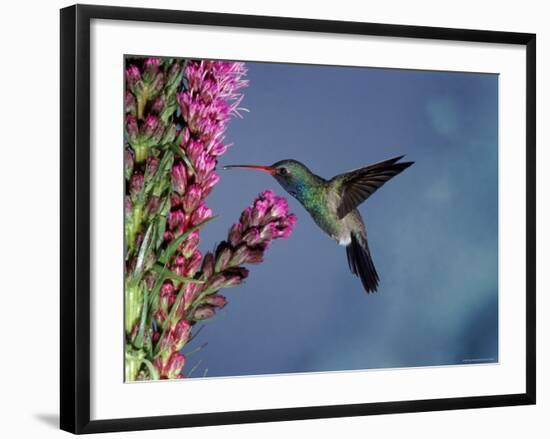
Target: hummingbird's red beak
267,169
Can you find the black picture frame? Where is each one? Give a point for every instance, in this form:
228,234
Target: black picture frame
75,217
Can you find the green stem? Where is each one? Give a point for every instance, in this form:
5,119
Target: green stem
132,364
135,226
142,151
153,372
141,101
132,307
144,309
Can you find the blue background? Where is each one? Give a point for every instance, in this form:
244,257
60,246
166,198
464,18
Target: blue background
433,230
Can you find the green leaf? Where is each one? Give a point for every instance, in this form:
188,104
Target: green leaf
163,171
173,246
152,369
161,228
179,152
138,343
194,368
170,318
171,275
143,250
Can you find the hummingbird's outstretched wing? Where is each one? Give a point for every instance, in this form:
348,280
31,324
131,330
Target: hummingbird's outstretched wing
358,185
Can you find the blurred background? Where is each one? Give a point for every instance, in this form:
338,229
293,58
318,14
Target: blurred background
433,230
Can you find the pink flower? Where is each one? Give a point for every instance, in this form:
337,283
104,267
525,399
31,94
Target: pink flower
176,221
192,198
201,213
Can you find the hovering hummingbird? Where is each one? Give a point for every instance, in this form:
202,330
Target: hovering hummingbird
333,204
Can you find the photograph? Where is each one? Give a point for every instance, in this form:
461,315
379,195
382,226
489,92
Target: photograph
288,218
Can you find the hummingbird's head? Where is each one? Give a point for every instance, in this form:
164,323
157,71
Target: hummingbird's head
291,174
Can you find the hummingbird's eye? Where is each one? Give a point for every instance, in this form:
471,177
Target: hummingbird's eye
283,171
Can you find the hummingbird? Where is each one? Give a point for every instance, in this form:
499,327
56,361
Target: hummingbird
333,204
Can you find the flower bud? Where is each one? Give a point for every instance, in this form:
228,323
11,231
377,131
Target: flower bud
216,300
130,103
132,129
153,206
240,255
231,280
160,317
167,296
136,186
208,265
191,292
179,178
151,167
192,198
151,64
176,221
252,237
158,105
149,126
202,213
174,366
193,264
128,163
246,217
181,334
254,256
204,312
216,282
210,181
234,235
132,75
223,256
259,212
190,244
128,209
157,83
218,148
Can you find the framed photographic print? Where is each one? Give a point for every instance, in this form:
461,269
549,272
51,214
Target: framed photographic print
267,218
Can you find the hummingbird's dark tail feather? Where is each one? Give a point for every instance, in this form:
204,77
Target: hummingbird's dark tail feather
360,263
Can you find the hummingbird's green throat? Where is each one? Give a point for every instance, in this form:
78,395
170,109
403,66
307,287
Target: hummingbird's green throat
333,204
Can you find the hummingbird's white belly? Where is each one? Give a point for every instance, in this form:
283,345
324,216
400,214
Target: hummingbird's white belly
344,240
